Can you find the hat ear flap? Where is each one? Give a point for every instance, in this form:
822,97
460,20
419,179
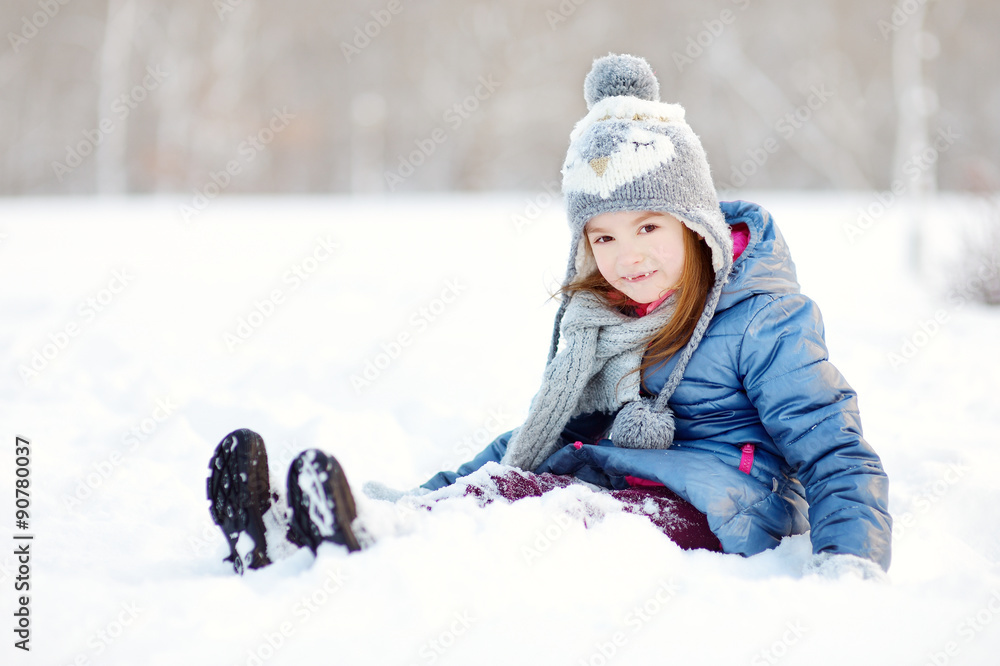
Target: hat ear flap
584,259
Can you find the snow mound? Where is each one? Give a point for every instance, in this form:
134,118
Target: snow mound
402,335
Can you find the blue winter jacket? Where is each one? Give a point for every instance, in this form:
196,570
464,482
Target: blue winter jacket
760,376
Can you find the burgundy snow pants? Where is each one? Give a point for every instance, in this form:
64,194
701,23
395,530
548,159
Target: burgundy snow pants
676,518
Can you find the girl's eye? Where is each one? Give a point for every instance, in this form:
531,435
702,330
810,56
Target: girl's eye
648,228
602,239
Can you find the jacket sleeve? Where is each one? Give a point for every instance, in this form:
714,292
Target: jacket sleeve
811,414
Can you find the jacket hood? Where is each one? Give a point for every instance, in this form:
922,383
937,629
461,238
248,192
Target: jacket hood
765,266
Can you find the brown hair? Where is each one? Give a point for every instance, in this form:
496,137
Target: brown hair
697,278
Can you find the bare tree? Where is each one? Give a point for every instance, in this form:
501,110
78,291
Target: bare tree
116,57
824,153
915,101
231,63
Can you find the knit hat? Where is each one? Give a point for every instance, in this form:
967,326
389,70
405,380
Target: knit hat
632,152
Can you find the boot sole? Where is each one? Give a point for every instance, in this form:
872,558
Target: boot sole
238,489
325,509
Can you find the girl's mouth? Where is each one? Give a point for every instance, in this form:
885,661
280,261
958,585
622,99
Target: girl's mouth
637,278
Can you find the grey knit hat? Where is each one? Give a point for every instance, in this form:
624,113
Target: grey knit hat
632,152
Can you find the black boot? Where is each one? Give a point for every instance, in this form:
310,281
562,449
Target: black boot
239,492
321,502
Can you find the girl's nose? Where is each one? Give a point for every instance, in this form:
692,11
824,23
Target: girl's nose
629,254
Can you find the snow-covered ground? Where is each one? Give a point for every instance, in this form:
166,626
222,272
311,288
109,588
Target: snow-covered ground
402,335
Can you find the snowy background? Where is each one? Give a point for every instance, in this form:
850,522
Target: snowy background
136,317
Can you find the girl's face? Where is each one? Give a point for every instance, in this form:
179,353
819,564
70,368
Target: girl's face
639,253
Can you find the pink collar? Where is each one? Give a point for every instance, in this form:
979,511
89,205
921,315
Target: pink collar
643,309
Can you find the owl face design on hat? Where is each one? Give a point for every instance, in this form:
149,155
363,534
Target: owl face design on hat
599,162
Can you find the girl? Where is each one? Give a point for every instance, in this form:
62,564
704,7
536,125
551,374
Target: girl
685,368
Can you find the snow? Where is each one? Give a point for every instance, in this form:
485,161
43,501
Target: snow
319,504
402,335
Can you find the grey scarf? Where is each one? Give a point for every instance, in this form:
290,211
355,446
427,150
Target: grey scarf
602,346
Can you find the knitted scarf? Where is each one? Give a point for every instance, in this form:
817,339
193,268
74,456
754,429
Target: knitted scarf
602,346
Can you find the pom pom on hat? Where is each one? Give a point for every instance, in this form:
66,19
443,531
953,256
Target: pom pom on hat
639,425
620,75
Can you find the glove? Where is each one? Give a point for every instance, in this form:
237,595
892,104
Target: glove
380,491
837,565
